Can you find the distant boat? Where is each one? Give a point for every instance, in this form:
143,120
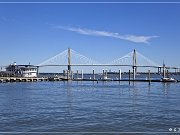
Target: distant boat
167,79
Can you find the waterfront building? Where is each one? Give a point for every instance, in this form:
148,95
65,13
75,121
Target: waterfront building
22,70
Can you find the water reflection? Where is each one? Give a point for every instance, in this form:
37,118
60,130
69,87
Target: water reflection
166,87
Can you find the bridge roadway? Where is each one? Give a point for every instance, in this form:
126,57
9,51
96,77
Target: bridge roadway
167,67
99,65
146,66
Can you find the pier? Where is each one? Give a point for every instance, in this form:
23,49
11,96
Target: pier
91,77
22,79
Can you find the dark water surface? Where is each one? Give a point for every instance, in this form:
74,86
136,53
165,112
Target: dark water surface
89,107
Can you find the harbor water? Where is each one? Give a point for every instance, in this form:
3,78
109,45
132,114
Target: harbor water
70,106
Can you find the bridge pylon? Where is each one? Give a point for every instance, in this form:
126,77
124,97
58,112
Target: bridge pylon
134,64
69,72
69,59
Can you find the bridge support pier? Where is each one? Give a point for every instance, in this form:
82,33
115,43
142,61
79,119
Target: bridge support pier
72,75
77,75
129,76
120,74
159,70
149,76
67,74
94,75
134,72
69,67
106,75
164,72
176,70
81,74
103,75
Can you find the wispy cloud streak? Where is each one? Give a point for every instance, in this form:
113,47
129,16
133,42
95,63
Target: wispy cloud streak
132,38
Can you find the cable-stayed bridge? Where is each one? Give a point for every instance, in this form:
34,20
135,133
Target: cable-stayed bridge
72,63
71,59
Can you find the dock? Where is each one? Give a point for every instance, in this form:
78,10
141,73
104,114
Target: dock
52,79
27,79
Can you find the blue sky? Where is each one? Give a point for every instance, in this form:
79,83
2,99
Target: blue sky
104,32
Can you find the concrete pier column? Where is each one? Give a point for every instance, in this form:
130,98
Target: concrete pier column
82,74
103,74
164,72
77,75
134,73
120,74
159,70
64,72
67,74
94,75
129,76
149,76
167,73
72,74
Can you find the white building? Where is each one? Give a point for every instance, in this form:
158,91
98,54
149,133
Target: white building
22,70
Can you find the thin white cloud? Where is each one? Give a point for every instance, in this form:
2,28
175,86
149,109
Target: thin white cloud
132,38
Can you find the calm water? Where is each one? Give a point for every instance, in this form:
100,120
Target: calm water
88,106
